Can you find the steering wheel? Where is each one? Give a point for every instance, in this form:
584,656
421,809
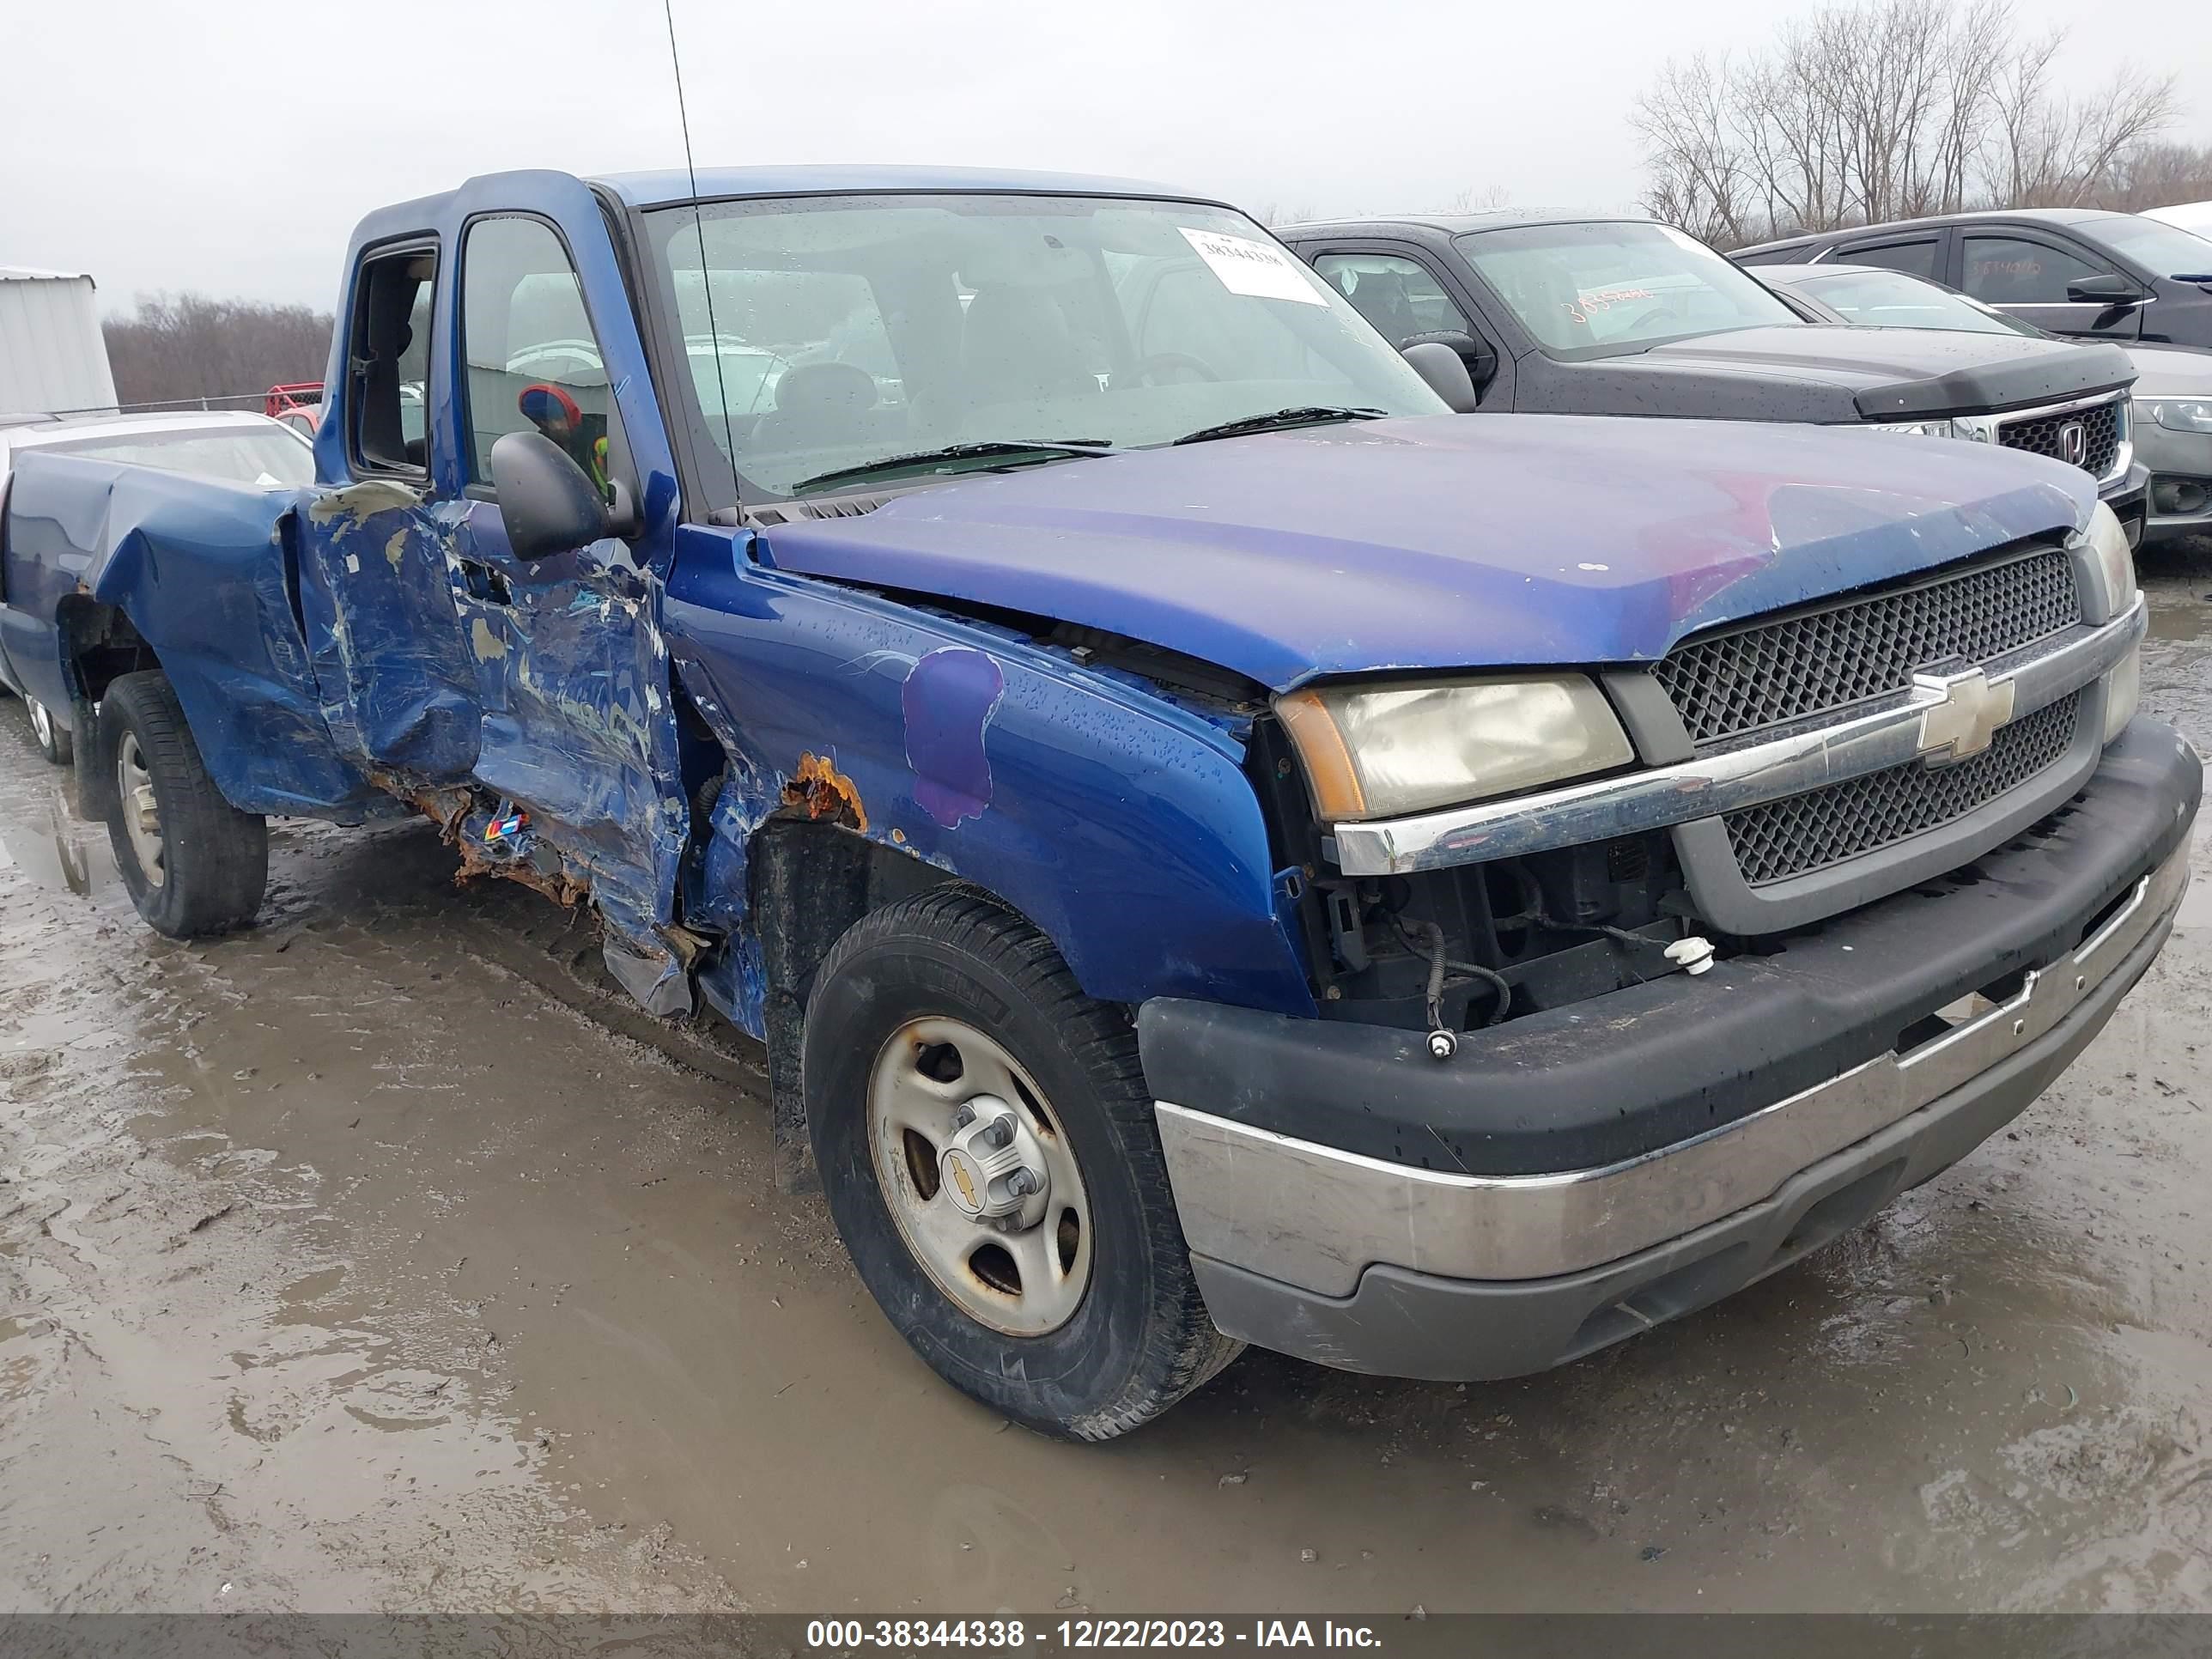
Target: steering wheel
1163,360
1651,316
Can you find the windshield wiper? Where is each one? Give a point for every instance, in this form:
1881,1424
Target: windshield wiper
1310,415
1043,449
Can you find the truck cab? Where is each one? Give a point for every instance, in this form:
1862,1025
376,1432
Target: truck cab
1215,846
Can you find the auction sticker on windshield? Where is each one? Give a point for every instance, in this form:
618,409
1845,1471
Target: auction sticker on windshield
1254,268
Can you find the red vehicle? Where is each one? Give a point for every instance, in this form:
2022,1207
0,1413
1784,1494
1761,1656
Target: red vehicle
299,405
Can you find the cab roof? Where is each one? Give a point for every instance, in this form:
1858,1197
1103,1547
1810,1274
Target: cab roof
1459,224
671,186
675,184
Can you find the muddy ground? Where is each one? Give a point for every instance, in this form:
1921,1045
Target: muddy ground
371,1260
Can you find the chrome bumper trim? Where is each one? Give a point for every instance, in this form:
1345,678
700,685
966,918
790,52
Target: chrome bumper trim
1727,780
1317,1218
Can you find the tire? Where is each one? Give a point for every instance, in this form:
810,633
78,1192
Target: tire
55,741
210,862
1138,1338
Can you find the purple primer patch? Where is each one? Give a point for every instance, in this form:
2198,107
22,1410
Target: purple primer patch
948,699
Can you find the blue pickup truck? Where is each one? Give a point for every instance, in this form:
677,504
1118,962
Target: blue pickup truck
1218,848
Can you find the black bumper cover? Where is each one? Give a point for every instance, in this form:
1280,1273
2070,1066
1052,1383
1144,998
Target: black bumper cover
1563,1090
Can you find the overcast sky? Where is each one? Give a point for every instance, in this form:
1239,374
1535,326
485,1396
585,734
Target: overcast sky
229,146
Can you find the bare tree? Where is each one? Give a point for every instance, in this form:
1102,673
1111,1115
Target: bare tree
1489,199
190,346
2160,175
1891,110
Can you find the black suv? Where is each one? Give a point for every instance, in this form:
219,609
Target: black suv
1563,315
2072,271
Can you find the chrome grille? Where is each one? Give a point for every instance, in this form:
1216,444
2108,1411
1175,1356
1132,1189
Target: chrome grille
1809,832
1785,669
2043,435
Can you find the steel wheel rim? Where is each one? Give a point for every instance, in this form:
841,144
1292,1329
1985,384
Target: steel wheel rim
142,813
42,723
1021,1280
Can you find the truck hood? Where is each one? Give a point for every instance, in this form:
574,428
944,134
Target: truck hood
1443,542
1906,373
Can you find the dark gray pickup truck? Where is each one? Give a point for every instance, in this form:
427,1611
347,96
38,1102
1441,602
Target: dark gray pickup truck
1574,316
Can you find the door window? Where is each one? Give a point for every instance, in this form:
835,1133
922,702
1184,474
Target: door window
1398,296
389,344
1914,259
533,360
2010,271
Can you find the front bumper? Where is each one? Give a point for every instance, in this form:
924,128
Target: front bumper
2128,493
1574,1177
2180,491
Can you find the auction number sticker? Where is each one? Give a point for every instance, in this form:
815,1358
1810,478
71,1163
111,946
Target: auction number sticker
1259,269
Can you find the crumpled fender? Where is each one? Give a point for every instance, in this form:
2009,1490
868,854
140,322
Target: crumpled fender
202,569
1120,825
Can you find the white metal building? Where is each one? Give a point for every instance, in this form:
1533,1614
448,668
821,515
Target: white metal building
51,354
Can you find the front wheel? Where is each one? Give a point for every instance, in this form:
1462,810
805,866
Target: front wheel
988,1147
55,741
194,865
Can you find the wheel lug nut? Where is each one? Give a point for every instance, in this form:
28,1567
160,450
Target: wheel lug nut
998,1134
1021,1183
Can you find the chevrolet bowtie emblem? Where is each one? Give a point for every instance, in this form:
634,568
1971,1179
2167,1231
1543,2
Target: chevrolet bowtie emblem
1962,713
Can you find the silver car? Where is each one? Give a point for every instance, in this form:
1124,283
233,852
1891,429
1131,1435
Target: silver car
2171,402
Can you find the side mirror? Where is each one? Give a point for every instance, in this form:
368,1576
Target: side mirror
546,502
1481,362
2106,289
1445,371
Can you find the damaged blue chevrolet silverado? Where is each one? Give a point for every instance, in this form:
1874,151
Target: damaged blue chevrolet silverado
1217,848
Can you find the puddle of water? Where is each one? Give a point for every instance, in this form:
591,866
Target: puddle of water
2178,616
71,859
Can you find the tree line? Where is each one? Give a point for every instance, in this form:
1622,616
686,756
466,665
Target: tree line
189,346
1859,114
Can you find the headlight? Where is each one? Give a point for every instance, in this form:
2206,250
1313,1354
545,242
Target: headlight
2121,692
2116,565
1917,428
1376,752
2181,414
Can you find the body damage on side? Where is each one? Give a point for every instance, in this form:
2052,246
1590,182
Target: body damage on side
334,661
109,565
1115,817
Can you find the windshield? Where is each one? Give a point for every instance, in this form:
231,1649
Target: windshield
1598,289
1890,299
2165,250
270,457
858,329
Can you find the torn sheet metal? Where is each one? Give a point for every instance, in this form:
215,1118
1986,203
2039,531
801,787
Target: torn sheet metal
398,693
579,728
1121,824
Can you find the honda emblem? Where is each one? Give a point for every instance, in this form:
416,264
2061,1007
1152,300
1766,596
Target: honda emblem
2073,442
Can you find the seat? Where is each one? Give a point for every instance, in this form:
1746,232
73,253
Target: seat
1380,298
821,406
1016,348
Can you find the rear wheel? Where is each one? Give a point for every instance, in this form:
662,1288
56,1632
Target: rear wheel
193,863
55,741
987,1145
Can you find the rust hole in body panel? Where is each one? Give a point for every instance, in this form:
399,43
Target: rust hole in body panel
821,790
